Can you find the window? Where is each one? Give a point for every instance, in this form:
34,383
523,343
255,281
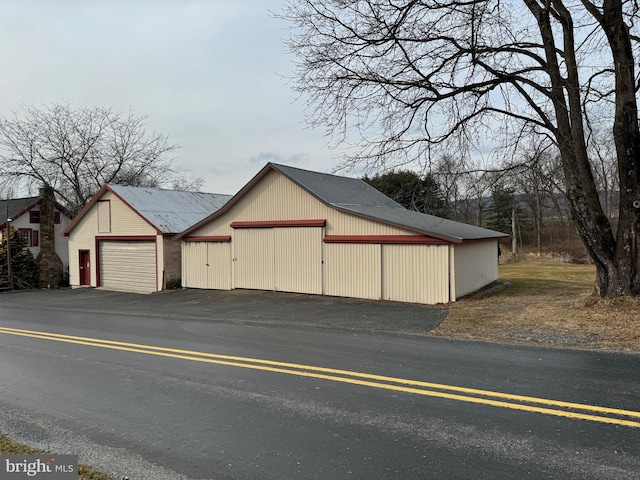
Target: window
34,216
30,237
25,234
56,218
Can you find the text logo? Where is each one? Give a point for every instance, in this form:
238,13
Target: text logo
43,467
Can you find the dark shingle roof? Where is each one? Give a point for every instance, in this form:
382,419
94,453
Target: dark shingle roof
15,207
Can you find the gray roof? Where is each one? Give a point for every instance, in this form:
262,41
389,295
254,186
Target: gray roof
442,228
170,211
355,196
15,206
336,190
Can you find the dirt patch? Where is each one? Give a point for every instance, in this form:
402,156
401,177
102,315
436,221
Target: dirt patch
541,301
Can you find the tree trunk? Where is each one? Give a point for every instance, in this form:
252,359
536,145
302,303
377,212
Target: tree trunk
514,237
620,274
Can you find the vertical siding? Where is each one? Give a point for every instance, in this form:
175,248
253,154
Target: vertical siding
82,237
352,270
253,258
276,197
194,264
104,216
416,273
124,221
219,265
476,265
298,260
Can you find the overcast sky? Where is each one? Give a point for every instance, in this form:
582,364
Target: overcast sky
208,72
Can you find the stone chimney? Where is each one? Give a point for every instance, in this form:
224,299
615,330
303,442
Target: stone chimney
49,263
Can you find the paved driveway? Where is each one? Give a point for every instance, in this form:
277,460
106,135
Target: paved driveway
244,306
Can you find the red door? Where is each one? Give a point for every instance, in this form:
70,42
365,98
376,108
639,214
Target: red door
85,270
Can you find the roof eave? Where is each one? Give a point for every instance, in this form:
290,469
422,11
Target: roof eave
439,236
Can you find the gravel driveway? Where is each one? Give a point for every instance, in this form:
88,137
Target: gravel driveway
244,306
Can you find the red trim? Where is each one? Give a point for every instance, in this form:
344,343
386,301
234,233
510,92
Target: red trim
221,238
142,238
387,239
280,223
94,200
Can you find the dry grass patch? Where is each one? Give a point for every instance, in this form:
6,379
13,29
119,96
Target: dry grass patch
550,303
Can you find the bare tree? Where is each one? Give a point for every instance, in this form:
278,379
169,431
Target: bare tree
417,76
76,151
603,158
534,181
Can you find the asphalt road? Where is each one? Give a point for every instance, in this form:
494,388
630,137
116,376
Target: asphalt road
258,385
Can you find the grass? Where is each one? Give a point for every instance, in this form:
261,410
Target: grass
546,302
9,447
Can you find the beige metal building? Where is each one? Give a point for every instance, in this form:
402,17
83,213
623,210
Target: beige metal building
121,240
293,230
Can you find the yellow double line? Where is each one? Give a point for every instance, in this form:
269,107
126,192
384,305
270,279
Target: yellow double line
545,406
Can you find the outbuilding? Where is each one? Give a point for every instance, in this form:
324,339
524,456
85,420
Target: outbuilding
121,240
295,230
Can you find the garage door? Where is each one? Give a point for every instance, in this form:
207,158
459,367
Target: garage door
253,258
283,259
206,265
128,266
415,273
353,270
298,260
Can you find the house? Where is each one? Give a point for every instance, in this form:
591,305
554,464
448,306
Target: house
295,230
28,216
121,240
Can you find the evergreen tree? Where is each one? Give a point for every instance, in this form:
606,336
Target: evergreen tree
422,194
23,265
500,212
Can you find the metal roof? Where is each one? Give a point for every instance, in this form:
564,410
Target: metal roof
170,211
355,196
336,190
442,228
358,197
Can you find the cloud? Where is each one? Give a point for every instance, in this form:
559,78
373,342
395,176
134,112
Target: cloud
209,73
265,157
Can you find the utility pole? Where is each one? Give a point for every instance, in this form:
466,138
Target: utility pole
9,250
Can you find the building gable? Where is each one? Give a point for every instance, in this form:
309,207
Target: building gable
276,198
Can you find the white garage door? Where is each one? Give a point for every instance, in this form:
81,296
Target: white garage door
128,266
